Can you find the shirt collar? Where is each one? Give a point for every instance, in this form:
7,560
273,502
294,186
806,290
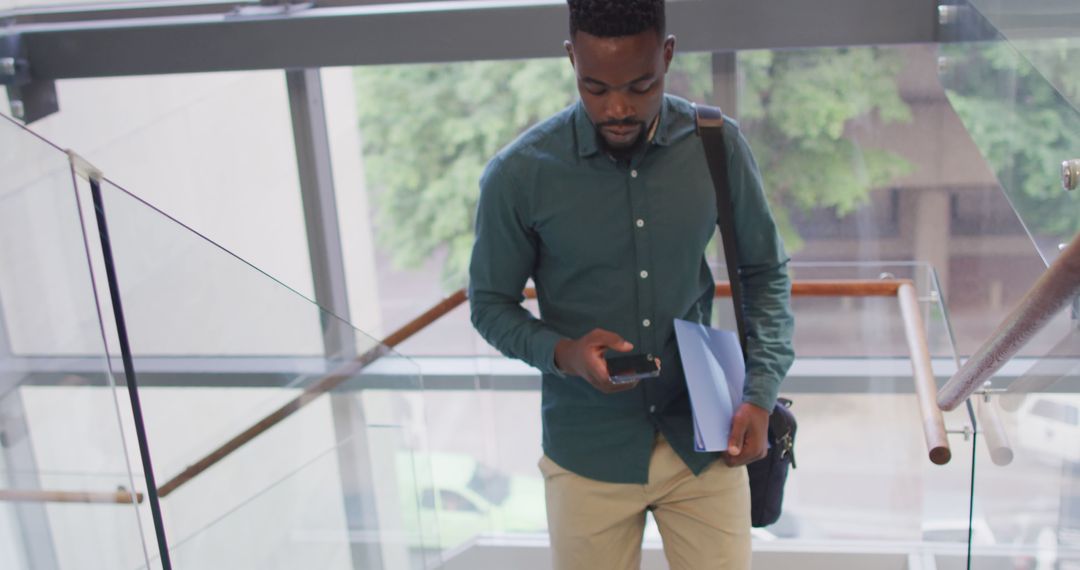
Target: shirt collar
586,132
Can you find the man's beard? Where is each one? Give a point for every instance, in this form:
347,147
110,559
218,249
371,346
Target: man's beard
623,153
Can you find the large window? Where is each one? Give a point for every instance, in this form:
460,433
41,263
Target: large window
862,156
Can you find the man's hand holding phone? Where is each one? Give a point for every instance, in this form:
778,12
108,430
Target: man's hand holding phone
584,357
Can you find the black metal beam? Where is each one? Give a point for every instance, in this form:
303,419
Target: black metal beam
442,32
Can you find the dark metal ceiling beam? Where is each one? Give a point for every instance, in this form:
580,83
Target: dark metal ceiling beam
261,38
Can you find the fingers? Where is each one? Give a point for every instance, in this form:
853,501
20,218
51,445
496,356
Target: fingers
750,453
746,443
597,370
608,339
596,342
598,374
738,435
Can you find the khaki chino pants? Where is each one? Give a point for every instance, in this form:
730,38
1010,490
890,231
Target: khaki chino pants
704,521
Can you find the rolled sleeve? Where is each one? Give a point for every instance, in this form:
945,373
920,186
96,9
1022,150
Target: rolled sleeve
503,257
764,277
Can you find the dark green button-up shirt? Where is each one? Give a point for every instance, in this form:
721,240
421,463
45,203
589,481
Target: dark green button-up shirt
621,246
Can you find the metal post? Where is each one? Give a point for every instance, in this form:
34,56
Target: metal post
39,549
725,94
355,458
320,209
725,76
129,372
8,380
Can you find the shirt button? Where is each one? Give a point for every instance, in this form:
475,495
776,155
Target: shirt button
646,323
644,274
633,174
652,409
640,223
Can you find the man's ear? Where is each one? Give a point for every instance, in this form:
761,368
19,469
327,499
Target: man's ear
669,51
569,46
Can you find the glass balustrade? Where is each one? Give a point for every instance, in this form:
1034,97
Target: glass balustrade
1007,71
252,397
249,386
66,481
865,493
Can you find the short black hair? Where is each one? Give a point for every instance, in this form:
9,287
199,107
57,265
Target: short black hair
616,18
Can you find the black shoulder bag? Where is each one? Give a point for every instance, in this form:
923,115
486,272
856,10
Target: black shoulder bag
767,476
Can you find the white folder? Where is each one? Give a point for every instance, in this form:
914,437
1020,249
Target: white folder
715,372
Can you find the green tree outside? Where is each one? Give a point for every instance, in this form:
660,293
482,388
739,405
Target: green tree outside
428,131
1017,107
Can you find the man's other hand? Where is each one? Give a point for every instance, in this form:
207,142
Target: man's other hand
584,357
749,436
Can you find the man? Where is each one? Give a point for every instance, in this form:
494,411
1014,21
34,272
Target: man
608,206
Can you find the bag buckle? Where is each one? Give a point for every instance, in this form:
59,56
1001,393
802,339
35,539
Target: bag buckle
787,447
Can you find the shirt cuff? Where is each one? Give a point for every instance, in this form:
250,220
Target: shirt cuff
545,342
761,392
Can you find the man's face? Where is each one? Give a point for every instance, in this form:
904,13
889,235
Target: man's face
621,82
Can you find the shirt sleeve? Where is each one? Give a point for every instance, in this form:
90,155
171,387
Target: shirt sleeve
764,277
503,258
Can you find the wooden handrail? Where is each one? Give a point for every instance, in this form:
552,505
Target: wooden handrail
814,288
993,430
40,496
937,442
1055,289
852,288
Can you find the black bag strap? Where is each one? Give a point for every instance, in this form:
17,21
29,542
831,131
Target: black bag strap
710,127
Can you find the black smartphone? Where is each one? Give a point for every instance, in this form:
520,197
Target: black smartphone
628,368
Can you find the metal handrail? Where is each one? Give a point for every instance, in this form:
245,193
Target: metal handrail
1055,289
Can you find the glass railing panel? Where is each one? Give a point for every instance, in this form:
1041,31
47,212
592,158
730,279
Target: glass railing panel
864,476
60,430
1022,120
1008,77
484,436
1042,32
864,481
1027,499
219,348
302,522
233,128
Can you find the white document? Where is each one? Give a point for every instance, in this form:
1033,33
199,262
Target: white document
715,372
